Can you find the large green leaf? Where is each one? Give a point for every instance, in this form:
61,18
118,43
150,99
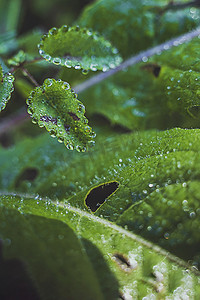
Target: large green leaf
6,87
139,24
55,106
79,48
161,93
86,257
152,169
56,262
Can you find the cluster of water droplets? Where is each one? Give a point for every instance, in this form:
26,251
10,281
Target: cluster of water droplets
6,88
102,57
63,119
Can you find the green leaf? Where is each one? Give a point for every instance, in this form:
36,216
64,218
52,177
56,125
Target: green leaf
152,169
6,87
56,262
139,24
87,257
171,83
18,59
79,48
55,106
179,76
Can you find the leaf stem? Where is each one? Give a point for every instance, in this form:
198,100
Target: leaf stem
31,78
142,56
14,69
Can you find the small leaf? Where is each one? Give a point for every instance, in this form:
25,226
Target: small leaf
55,107
6,87
79,48
18,59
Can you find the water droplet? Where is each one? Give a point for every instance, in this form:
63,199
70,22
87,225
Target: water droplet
166,235
66,86
84,72
52,133
41,52
64,28
77,66
93,67
68,64
47,57
56,61
48,82
60,139
185,202
144,58
69,146
53,31
34,120
192,215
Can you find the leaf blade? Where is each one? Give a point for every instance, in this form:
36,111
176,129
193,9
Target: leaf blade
55,106
6,87
79,48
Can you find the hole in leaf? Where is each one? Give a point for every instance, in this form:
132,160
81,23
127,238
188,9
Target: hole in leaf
122,261
97,195
29,174
152,68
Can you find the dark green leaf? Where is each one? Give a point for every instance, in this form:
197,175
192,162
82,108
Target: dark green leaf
139,24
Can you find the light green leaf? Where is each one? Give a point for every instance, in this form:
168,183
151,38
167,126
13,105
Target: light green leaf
6,87
62,241
55,106
79,48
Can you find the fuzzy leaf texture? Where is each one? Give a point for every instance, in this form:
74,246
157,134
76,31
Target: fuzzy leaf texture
82,252
6,87
79,48
55,106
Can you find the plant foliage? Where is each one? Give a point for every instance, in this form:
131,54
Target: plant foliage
79,48
119,220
